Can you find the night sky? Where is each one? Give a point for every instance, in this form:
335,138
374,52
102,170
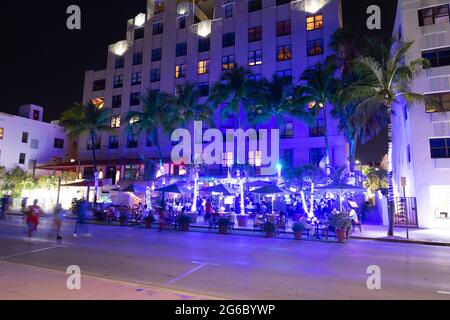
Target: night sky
44,62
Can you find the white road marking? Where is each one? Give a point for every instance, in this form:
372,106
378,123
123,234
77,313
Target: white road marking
184,275
444,292
27,252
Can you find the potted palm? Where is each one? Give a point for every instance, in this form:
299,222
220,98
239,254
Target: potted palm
184,220
242,220
148,220
123,219
341,222
223,224
269,228
298,229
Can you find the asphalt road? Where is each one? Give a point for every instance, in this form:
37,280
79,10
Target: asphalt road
237,267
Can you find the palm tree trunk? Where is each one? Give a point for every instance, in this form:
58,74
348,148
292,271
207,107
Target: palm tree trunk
158,149
353,143
94,160
327,147
391,199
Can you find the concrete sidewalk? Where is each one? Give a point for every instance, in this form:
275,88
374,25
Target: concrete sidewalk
421,236
25,282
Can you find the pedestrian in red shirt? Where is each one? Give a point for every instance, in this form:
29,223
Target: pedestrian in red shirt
32,220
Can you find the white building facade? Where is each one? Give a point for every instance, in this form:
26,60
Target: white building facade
27,142
176,42
422,133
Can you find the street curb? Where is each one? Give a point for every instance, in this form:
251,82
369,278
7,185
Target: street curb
406,241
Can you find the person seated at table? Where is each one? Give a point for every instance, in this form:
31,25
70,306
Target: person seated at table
304,221
214,218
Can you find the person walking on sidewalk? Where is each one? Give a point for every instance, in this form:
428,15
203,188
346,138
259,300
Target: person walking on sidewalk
4,208
81,221
57,220
32,219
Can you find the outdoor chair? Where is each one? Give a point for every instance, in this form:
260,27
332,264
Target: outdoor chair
356,225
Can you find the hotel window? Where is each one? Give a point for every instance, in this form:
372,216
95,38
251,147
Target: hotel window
132,141
314,47
440,148
284,74
135,99
113,142
182,22
99,85
254,34
255,158
156,54
34,144
2,133
437,57
181,49
149,139
203,88
155,75
58,143
255,77
137,58
254,5
283,28
25,137
117,101
203,67
281,2
98,142
228,159
118,81
139,33
115,122
204,44
131,172
433,15
120,61
228,10
136,78
437,102
228,63
314,22
284,53
180,71
317,129
36,115
288,158
255,57
316,155
158,28
22,157
228,39
287,130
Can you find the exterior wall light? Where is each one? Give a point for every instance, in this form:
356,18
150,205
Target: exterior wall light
312,6
183,8
204,28
119,48
139,20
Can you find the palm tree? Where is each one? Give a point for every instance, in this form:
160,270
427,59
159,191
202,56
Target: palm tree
355,129
154,116
234,88
91,119
375,179
185,106
318,92
274,100
385,84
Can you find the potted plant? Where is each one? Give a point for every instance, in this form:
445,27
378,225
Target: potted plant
223,224
242,220
269,228
123,219
341,222
184,220
298,229
148,220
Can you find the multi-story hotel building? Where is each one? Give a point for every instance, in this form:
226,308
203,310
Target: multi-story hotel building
179,41
422,133
28,142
